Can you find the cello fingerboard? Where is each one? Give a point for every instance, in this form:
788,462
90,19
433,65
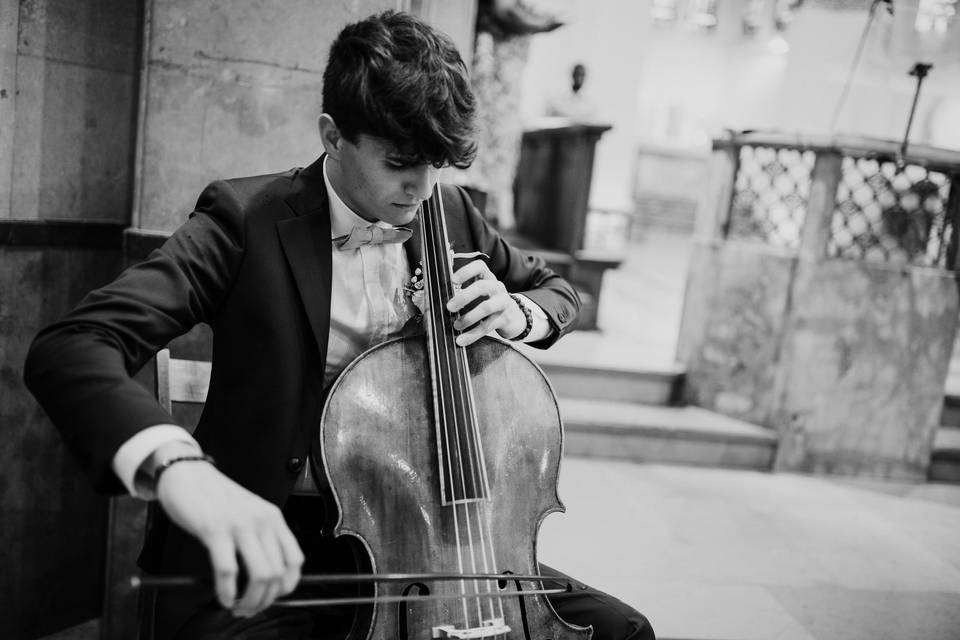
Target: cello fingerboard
459,450
461,459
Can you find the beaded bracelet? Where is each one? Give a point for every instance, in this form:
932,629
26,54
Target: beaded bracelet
169,462
526,314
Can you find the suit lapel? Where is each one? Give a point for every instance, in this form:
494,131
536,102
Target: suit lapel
306,244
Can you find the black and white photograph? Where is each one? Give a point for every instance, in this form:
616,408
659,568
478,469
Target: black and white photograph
479,320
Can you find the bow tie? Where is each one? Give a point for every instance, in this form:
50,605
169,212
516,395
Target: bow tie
362,235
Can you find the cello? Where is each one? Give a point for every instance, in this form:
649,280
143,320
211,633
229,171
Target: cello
442,462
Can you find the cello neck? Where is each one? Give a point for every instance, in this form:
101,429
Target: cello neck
462,468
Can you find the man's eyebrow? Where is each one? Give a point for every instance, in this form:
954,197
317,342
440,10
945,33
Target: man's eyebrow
406,157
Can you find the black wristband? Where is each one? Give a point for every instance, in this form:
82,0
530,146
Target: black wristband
169,462
526,314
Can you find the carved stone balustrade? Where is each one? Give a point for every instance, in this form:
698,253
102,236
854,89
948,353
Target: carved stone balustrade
822,297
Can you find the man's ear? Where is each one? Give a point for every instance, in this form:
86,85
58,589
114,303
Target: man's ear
330,135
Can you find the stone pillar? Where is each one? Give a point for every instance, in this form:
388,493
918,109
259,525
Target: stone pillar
735,304
237,92
228,93
712,211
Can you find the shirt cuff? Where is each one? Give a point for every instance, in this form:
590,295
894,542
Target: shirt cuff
541,324
134,452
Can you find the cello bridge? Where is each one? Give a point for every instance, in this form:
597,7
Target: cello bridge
487,629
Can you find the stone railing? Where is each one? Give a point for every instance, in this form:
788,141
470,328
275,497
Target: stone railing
822,298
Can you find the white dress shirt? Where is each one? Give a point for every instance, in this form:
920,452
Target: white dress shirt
368,302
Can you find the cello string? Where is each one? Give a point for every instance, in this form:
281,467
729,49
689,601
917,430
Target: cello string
466,438
489,551
442,290
478,468
456,379
466,423
436,329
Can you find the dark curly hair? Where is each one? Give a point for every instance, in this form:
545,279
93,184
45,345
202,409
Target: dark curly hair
394,77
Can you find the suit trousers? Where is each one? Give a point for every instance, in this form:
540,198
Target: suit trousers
197,616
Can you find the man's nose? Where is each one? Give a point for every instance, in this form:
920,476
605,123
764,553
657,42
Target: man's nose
420,180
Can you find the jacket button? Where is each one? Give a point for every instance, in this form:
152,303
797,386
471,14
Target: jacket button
295,464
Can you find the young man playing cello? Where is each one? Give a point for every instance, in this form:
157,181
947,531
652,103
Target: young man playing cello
296,273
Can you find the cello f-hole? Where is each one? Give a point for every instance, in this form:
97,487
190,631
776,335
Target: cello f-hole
522,603
403,627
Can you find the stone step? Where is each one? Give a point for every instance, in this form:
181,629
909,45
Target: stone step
679,435
593,382
582,366
945,461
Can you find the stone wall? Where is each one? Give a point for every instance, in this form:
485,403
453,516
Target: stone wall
52,527
862,371
229,93
67,108
666,183
238,92
740,291
67,112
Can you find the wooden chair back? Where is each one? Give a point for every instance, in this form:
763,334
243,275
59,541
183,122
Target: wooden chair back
181,380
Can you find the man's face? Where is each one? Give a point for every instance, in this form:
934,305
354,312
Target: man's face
378,182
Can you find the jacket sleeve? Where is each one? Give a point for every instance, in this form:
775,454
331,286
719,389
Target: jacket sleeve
80,368
524,273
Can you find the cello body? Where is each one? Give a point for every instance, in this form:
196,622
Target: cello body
383,462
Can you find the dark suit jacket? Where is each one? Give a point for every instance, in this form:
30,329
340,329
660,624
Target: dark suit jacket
253,262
